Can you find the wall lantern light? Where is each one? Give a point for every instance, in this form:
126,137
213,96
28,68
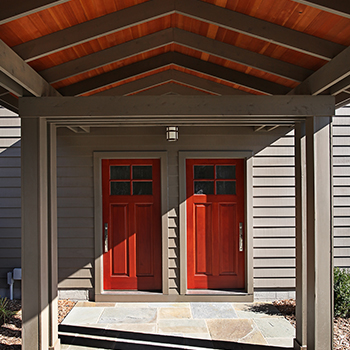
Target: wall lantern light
172,133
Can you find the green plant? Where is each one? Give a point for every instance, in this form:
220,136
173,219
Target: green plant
5,312
341,292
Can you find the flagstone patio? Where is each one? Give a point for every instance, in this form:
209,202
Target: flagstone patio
254,323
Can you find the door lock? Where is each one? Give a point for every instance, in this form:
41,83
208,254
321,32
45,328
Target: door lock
106,237
241,237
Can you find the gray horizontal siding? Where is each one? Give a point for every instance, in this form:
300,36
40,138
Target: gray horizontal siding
341,187
10,196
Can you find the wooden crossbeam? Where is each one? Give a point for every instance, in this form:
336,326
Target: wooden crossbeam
274,107
14,9
169,89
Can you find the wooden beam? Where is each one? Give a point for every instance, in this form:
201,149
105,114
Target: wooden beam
175,76
342,99
171,88
93,29
338,88
132,70
181,37
10,85
10,102
24,75
328,75
14,9
258,28
245,57
279,107
337,7
104,57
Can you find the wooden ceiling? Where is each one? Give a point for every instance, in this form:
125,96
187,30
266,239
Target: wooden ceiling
214,47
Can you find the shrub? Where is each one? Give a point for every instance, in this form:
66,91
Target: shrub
5,312
341,292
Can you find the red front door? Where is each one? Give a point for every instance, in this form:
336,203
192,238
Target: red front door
215,213
132,223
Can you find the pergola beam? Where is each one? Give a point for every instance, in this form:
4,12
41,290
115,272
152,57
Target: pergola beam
337,7
132,70
14,9
258,28
328,75
178,106
93,29
22,74
180,37
171,88
10,102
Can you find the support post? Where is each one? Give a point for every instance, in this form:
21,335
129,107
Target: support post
319,233
300,342
37,328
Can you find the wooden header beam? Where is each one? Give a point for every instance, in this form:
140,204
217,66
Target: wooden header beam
178,106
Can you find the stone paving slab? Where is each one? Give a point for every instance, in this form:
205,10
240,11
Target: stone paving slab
165,313
128,315
212,310
182,326
255,310
275,327
83,316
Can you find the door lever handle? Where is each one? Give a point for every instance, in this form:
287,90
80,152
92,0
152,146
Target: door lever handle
241,237
106,237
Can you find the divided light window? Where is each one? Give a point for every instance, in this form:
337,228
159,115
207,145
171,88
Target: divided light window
134,180
214,179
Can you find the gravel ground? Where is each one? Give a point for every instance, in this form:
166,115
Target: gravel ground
10,332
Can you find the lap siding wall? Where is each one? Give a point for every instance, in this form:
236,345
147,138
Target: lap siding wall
273,202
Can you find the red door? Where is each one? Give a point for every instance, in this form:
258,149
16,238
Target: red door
132,223
215,220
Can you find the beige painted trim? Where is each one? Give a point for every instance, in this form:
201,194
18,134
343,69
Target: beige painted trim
98,156
183,155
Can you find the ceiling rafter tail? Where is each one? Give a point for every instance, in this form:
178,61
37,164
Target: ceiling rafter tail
14,9
20,72
258,28
108,56
93,29
340,7
242,56
116,75
328,75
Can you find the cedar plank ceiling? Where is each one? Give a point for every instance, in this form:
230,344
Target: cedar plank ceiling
87,47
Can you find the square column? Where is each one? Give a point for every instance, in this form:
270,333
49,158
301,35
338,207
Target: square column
319,233
39,329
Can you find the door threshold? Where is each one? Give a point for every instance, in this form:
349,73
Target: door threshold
131,292
215,292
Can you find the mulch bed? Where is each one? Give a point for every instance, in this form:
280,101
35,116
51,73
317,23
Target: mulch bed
10,332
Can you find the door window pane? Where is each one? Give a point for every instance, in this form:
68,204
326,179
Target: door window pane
226,187
204,171
142,188
225,171
120,188
120,172
142,172
204,187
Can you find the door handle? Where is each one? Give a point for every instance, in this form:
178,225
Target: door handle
241,237
106,237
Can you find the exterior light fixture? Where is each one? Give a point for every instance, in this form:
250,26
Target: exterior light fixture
172,133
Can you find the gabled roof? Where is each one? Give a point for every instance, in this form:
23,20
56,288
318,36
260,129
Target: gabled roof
215,47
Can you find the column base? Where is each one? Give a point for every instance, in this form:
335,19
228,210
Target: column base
56,346
297,346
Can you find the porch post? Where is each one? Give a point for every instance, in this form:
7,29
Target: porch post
300,341
319,233
36,255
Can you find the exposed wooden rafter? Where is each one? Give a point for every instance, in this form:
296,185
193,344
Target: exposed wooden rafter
330,74
171,88
132,70
338,7
14,68
14,9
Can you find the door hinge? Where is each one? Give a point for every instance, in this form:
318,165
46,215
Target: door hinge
106,237
241,237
